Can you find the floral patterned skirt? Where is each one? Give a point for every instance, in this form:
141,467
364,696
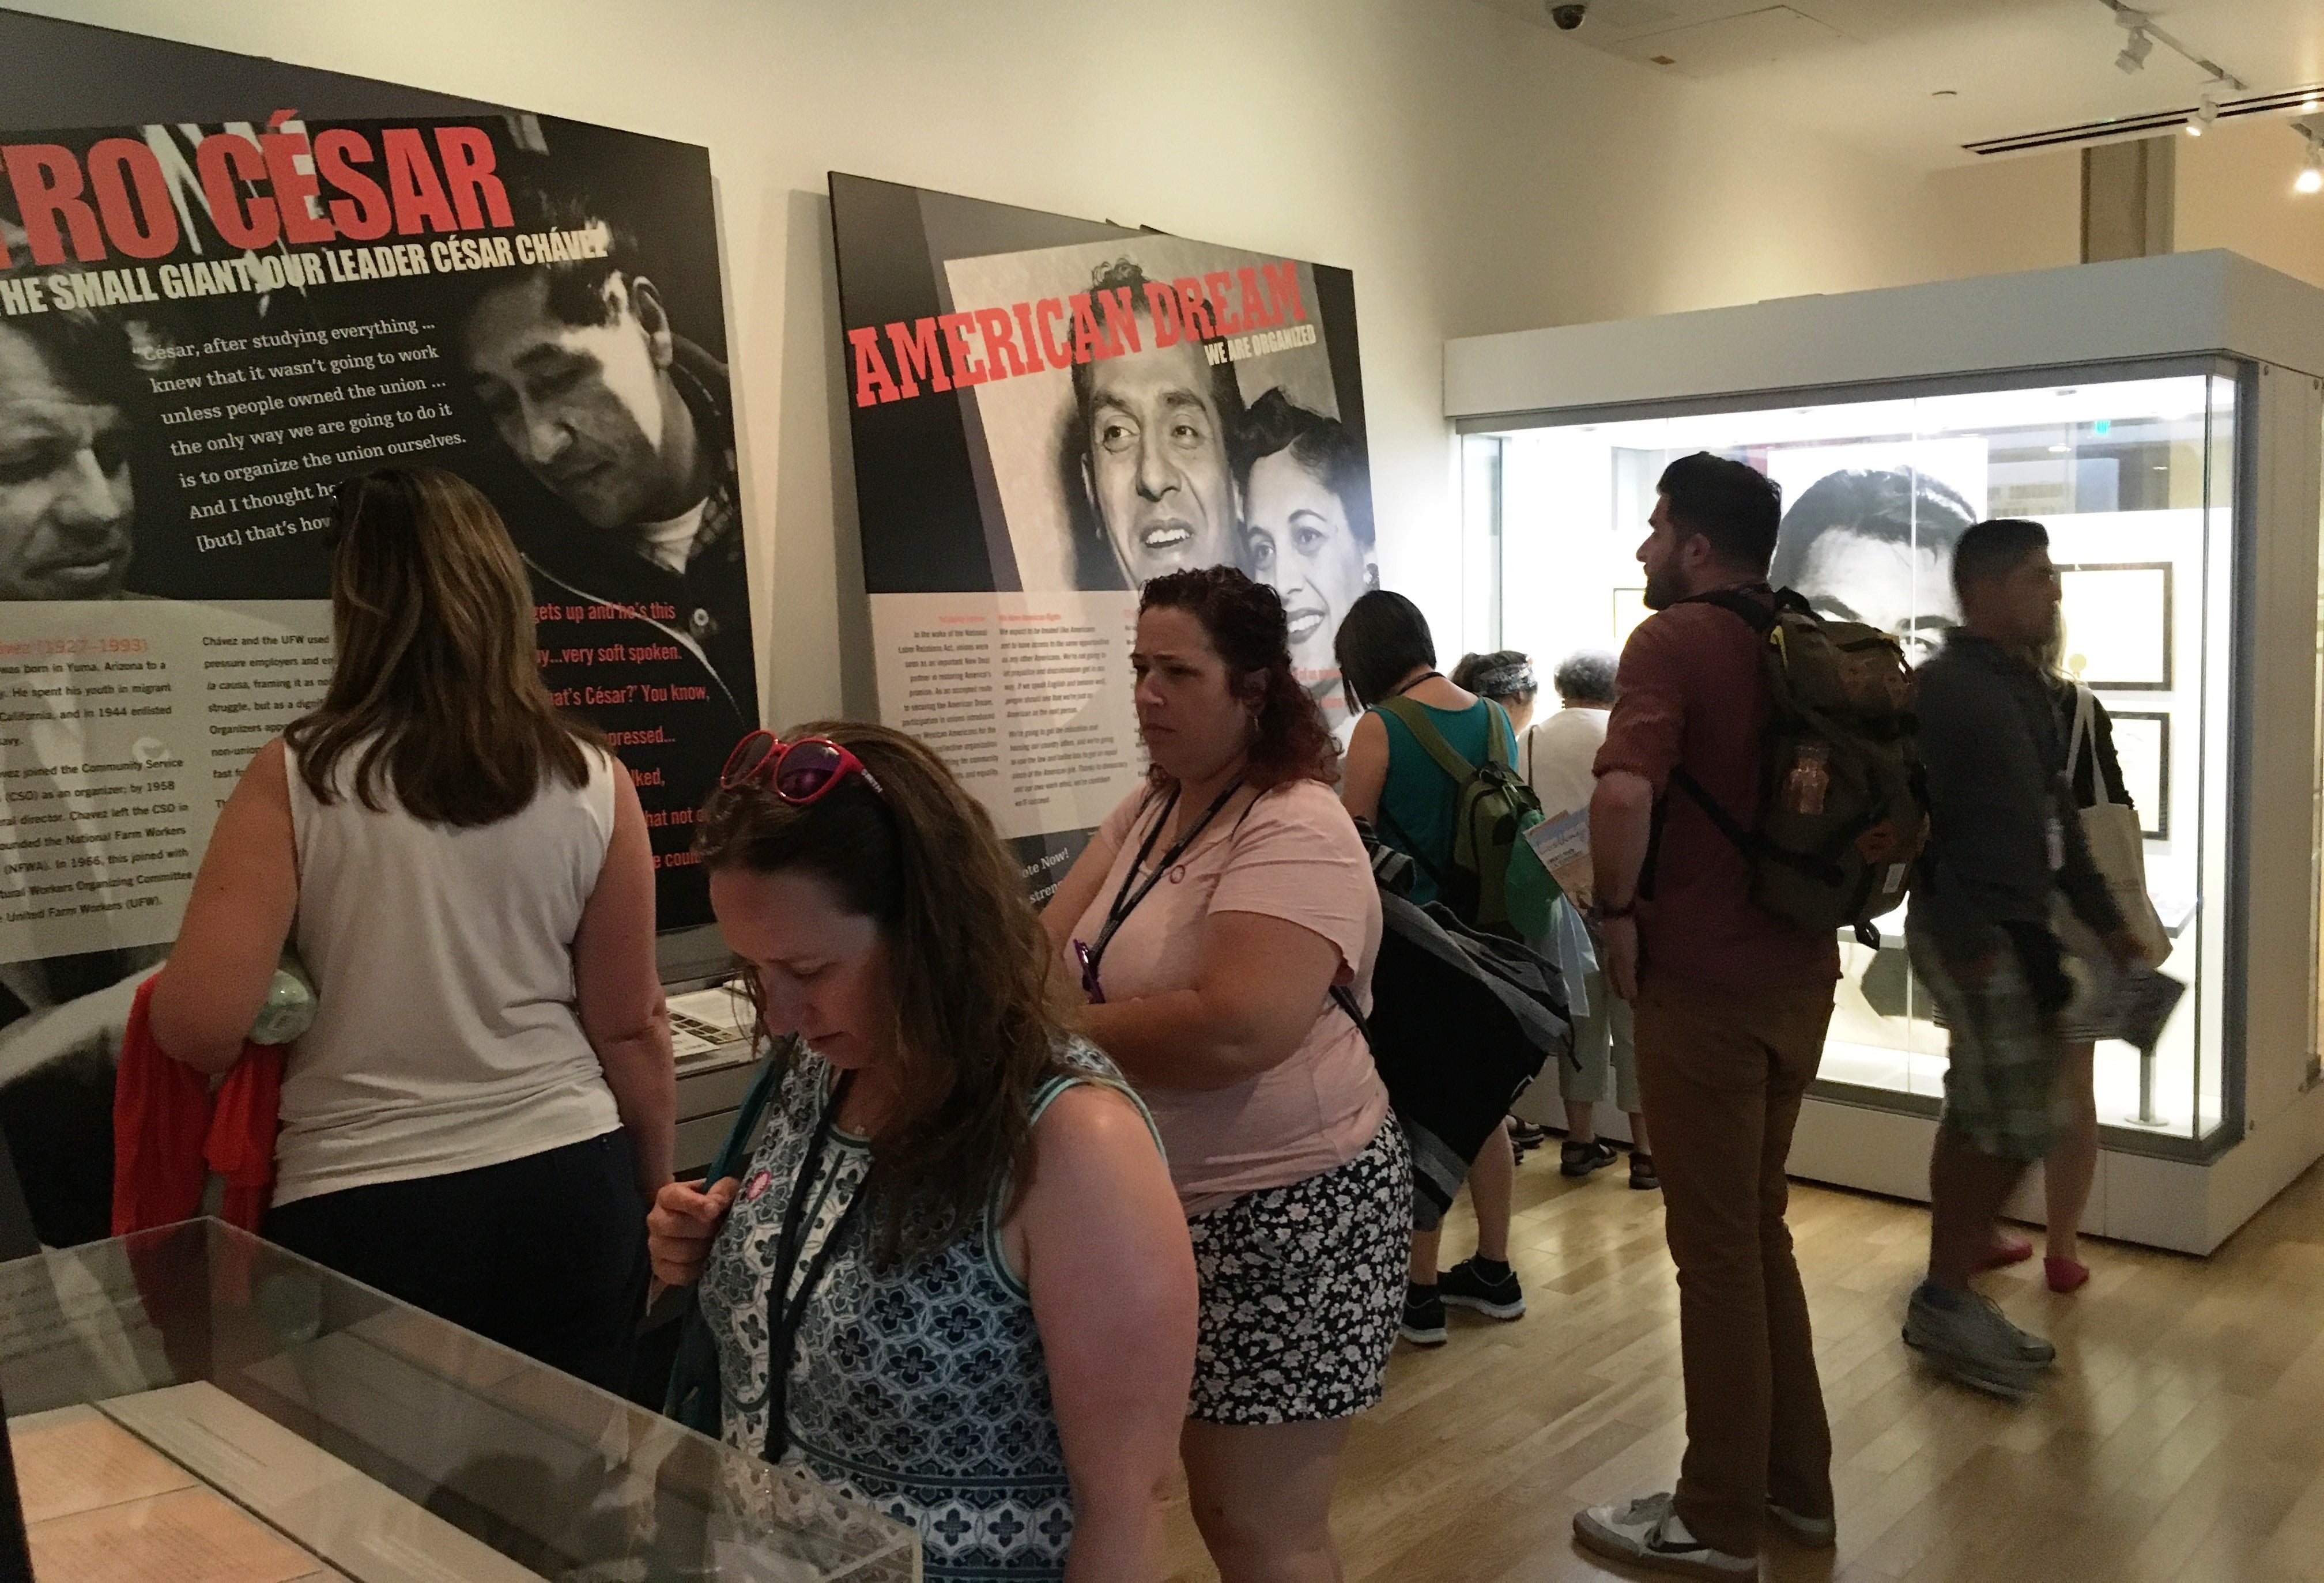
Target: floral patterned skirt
1302,1289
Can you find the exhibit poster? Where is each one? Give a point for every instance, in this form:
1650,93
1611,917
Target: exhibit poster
1046,414
204,329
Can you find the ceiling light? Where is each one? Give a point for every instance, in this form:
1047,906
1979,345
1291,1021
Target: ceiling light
2206,113
2312,175
2134,53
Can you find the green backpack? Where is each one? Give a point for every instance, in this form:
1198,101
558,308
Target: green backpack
1840,691
1496,881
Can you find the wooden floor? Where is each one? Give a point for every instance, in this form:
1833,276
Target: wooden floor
2181,1436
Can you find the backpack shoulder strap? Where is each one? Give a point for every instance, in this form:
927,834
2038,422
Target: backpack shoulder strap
1758,615
1431,741
1727,823
1405,844
1750,842
1497,721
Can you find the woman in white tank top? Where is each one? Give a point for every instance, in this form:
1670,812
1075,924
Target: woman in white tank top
482,1109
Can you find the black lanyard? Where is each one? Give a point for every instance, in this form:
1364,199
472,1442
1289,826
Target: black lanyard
1124,902
785,1314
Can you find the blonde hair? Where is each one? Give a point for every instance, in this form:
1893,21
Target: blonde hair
438,683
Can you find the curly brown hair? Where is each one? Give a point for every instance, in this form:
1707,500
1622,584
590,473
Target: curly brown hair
979,1023
1245,622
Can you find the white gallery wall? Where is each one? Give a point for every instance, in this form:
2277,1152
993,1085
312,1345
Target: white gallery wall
1476,173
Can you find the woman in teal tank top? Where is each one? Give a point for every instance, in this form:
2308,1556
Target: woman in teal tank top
1418,804
1385,652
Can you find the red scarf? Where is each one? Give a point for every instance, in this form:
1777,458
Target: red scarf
169,1130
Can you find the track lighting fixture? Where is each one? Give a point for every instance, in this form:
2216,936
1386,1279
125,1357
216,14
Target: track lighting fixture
2143,36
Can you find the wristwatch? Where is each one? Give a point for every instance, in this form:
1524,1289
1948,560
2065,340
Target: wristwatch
1599,913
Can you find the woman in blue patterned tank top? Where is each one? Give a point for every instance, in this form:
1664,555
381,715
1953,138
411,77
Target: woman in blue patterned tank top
953,1280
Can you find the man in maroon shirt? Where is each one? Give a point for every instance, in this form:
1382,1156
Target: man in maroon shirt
1731,1003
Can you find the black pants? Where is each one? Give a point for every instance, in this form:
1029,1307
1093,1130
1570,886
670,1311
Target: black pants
546,1255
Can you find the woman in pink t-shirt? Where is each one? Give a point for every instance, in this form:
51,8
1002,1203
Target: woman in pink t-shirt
1210,923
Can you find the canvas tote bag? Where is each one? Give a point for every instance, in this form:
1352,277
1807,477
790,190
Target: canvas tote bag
2118,851
2117,845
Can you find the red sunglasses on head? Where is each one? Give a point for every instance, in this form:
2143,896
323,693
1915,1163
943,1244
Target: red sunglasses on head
797,772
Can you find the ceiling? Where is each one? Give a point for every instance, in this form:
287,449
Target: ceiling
1917,79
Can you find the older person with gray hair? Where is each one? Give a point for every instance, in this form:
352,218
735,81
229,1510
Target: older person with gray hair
1555,756
1504,675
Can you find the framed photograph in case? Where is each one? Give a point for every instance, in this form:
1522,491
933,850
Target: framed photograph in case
2142,741
2118,625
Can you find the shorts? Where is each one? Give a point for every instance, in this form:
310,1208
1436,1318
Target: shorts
1605,1065
1302,1290
2001,1076
1606,1048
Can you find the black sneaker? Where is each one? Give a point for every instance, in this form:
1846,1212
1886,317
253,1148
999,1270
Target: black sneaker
1423,1316
1580,1159
1467,1286
1643,1176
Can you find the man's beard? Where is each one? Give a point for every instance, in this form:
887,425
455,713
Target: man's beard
1663,590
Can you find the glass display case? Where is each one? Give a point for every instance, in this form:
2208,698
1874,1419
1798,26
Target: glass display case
195,1404
2164,419
2135,477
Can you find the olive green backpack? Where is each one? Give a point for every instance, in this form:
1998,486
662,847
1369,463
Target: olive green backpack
1842,686
1495,882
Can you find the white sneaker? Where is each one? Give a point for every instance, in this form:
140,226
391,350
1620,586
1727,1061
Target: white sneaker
1976,1346
1647,1533
1813,1532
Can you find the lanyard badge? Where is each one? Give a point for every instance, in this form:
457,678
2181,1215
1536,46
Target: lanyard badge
1125,901
1091,991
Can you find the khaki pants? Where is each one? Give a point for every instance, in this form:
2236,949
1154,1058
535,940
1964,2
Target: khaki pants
1722,1074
